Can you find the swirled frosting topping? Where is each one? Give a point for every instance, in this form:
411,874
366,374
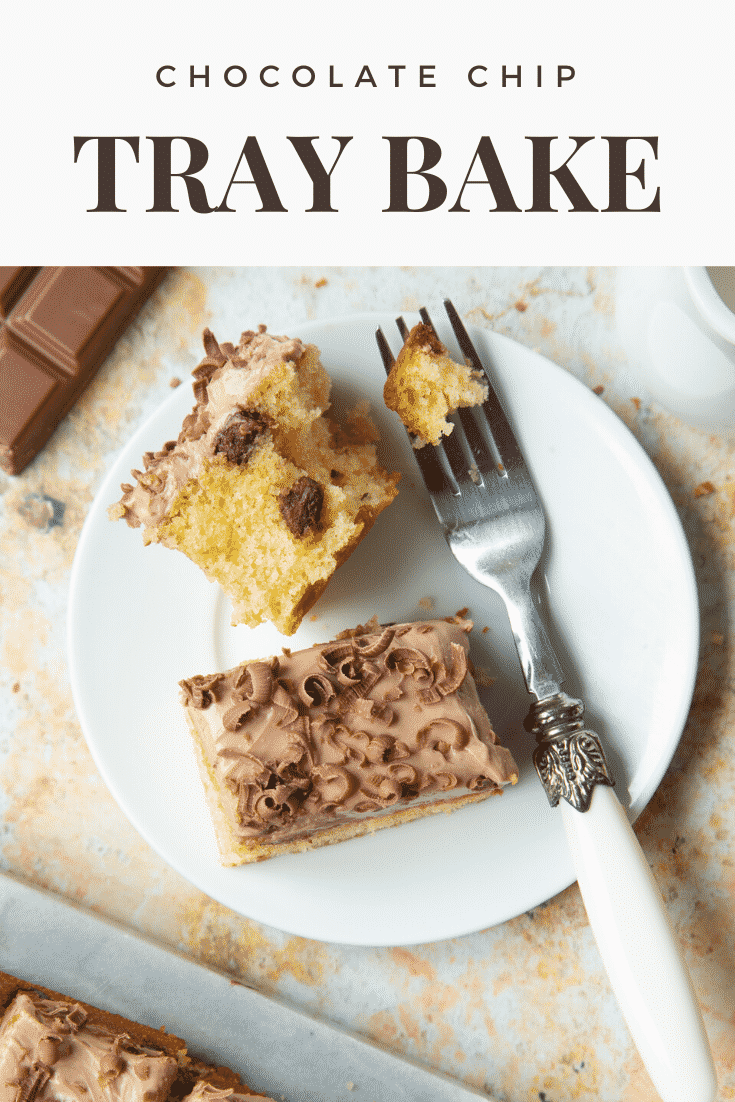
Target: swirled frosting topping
378,717
50,1052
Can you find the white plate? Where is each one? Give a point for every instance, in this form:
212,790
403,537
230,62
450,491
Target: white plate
623,602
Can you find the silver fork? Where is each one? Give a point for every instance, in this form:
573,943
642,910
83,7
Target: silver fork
495,527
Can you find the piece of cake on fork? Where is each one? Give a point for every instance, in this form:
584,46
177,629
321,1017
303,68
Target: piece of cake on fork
378,727
262,489
425,386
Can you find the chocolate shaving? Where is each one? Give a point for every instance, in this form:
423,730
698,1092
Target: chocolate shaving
443,735
349,671
234,717
315,690
367,805
372,648
201,691
301,506
407,777
331,777
452,681
380,748
281,802
389,789
35,1079
239,437
212,348
255,681
245,770
330,659
412,662
369,675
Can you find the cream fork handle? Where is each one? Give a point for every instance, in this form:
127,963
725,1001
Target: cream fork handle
639,949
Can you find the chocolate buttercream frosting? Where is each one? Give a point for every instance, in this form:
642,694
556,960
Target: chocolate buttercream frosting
50,1052
379,718
205,1092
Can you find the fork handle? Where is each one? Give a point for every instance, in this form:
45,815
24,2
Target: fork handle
640,950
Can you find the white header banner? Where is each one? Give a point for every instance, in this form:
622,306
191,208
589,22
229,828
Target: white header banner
471,133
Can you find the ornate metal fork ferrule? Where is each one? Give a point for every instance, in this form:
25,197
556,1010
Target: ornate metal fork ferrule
568,758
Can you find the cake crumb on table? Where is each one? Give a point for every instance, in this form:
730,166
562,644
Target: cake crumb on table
599,389
483,679
704,489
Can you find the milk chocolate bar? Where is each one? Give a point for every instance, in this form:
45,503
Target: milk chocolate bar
13,282
60,324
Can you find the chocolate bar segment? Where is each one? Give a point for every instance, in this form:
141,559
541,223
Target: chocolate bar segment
13,282
62,325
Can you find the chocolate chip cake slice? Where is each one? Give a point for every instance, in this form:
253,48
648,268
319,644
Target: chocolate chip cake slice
378,727
425,385
262,489
56,1049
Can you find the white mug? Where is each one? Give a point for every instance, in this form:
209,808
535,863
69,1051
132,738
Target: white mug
677,326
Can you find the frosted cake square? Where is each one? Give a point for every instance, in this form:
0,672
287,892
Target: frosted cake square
378,727
54,1048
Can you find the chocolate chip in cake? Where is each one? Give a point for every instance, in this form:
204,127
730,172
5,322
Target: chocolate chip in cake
237,440
301,506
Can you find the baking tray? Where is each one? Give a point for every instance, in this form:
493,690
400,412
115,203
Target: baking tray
276,1048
